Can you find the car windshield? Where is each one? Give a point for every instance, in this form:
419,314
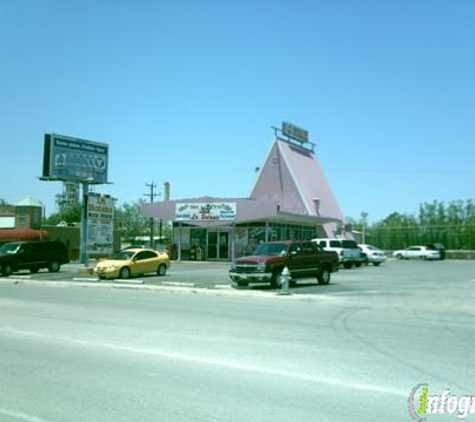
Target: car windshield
123,255
372,248
279,249
10,248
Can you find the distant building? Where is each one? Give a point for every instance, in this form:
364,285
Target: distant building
22,221
29,213
69,197
7,216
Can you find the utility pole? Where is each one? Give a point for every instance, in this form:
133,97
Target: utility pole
364,220
151,195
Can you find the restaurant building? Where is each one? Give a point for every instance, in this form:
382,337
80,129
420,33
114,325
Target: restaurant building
291,199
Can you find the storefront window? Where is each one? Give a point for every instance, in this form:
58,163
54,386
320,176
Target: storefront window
309,232
256,236
295,233
198,237
274,232
241,240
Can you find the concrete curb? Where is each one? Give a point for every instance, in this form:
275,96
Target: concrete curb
85,270
170,289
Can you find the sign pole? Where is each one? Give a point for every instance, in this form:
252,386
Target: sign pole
84,256
84,162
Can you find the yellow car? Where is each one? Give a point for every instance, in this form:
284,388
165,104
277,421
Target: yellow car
134,261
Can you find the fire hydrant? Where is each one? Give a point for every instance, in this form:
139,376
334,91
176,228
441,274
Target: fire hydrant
285,281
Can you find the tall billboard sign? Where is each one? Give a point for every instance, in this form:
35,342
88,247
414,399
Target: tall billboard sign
73,159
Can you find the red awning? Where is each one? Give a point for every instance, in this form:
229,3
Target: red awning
15,235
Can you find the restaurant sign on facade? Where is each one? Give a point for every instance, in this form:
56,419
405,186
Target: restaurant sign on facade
224,211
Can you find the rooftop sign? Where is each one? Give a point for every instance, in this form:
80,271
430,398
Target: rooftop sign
294,132
74,159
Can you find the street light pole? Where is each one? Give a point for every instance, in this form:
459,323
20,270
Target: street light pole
84,225
85,192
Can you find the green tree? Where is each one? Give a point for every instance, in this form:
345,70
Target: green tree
5,204
453,225
70,216
130,220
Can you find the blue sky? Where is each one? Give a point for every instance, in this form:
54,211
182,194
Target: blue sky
186,91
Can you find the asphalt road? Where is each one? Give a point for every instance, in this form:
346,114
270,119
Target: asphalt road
351,351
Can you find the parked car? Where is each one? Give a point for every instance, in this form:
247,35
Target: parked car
302,258
348,253
437,247
131,262
32,255
374,255
417,252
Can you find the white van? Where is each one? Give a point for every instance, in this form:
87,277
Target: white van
348,252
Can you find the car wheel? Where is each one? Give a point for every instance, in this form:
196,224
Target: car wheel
34,270
161,270
7,270
348,265
423,257
376,263
54,267
324,277
358,264
399,256
124,273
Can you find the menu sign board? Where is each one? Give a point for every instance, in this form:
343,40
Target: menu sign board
100,216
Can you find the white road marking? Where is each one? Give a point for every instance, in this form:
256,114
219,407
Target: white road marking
357,292
177,283
85,279
18,277
210,361
21,416
222,286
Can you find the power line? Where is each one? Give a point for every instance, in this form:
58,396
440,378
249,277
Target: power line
151,195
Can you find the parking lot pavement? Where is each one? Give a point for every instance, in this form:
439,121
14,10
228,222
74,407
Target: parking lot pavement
367,338
405,280
185,274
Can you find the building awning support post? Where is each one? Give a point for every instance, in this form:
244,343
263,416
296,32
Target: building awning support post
233,244
179,243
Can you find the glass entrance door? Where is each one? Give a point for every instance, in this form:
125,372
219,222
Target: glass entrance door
218,245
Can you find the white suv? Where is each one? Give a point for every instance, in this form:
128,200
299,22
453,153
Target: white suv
348,252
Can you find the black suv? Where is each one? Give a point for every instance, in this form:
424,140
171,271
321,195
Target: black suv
32,256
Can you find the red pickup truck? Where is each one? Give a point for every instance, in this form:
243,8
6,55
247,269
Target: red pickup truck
302,258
